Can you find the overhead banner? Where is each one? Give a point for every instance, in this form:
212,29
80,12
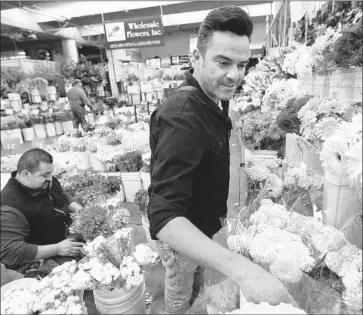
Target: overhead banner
134,33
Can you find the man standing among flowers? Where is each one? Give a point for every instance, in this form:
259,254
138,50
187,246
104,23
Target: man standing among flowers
34,214
78,99
189,140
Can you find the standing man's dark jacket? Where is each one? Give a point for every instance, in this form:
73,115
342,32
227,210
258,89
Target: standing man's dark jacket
190,159
29,219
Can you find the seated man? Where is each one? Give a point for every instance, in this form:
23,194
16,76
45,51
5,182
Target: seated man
34,214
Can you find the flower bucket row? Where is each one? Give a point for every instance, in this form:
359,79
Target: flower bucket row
38,131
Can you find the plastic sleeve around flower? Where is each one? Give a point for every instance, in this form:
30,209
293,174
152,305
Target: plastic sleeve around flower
14,232
177,154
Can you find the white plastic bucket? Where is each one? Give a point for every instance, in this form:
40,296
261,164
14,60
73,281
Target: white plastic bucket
3,135
82,160
68,126
146,226
28,134
340,201
132,184
50,129
121,301
40,131
58,128
91,118
35,96
15,134
145,177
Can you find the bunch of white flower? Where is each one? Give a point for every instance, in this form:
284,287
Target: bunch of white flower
72,305
93,248
285,252
270,213
352,280
239,243
144,255
102,273
266,308
298,174
17,301
131,272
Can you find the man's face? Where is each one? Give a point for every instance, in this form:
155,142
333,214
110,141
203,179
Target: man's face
41,178
223,65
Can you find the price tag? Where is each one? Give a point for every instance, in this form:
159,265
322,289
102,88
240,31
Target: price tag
11,143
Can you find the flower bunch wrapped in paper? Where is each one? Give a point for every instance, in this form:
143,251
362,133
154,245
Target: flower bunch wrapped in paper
113,262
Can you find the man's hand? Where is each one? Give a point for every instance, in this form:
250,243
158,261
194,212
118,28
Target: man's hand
259,286
69,247
75,206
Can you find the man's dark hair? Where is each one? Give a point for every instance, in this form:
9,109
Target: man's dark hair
229,18
31,159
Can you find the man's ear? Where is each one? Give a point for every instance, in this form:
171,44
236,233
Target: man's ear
197,56
25,173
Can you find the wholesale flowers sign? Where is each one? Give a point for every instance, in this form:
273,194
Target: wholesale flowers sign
133,33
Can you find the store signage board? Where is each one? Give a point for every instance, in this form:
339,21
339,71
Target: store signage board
133,33
180,60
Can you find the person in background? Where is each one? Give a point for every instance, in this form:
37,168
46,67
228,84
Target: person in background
78,99
35,212
190,169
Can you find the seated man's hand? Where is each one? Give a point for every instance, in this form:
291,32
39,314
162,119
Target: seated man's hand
69,247
75,206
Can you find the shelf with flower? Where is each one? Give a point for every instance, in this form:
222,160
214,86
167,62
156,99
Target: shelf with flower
271,234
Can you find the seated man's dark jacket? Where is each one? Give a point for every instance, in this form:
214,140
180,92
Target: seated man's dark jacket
47,213
190,159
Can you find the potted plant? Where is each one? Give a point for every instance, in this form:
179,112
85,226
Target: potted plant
28,130
129,165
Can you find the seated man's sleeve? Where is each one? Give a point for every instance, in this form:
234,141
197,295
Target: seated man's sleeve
14,232
178,152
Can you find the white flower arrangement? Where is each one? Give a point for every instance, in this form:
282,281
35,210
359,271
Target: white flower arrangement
340,151
54,294
321,118
131,272
144,255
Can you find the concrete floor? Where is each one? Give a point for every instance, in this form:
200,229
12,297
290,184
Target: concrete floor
155,276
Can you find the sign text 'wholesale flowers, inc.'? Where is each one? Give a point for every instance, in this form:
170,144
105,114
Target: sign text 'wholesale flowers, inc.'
137,32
